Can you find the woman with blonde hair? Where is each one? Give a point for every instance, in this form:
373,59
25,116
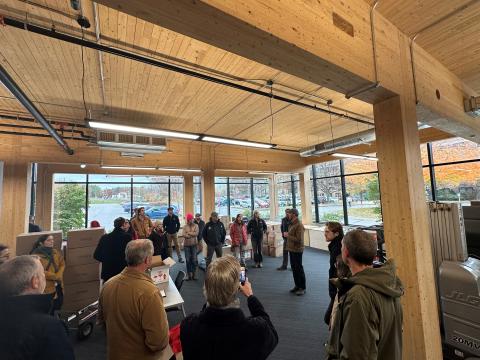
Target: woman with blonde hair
54,266
208,335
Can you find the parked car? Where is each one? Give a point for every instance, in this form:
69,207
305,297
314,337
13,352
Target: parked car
127,206
159,212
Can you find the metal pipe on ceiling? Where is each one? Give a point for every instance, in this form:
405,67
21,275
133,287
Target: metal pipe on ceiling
52,33
10,84
100,58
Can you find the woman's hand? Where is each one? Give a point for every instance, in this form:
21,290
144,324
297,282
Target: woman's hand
246,289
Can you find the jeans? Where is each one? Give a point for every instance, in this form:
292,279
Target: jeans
191,258
285,253
238,252
210,250
297,268
173,238
257,250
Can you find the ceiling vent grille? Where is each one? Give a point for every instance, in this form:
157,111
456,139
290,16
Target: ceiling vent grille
121,142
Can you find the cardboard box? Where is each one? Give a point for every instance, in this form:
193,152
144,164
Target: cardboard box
80,256
84,237
265,249
81,273
79,295
160,270
25,241
275,251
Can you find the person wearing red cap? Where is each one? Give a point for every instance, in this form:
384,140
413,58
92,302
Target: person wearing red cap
190,233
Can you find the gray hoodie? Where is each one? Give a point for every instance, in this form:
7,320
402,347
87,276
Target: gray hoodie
368,324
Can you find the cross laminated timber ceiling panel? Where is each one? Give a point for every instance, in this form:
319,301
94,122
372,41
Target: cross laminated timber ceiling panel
53,75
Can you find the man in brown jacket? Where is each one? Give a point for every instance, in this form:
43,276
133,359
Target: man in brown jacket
142,224
295,246
131,307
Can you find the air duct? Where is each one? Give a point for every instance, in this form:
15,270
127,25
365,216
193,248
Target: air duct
128,143
366,136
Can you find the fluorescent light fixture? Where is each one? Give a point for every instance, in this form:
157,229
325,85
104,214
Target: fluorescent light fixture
113,167
236,142
179,169
143,131
342,155
261,172
83,166
111,144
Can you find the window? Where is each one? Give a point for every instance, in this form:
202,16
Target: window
284,194
240,197
221,206
106,202
458,182
363,199
359,166
329,197
197,194
69,206
456,149
261,195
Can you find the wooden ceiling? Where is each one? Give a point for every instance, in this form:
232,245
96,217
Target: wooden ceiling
447,29
51,73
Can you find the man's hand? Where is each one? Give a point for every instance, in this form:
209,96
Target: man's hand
246,289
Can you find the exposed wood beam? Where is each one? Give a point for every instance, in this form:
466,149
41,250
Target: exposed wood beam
327,43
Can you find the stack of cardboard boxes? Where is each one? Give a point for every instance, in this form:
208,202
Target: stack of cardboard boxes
274,240
81,278
25,241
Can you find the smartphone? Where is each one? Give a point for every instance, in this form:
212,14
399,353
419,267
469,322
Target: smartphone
243,276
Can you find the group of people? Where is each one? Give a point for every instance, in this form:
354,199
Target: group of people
364,313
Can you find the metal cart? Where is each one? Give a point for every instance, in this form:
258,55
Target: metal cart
83,320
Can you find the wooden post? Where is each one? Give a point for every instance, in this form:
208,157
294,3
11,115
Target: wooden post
305,195
188,194
44,197
16,185
405,216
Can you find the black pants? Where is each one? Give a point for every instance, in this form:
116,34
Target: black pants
257,250
210,250
285,253
297,269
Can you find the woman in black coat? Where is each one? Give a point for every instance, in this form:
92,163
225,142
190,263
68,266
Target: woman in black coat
334,236
221,330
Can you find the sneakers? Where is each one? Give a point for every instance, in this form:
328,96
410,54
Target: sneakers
282,268
294,290
260,265
300,292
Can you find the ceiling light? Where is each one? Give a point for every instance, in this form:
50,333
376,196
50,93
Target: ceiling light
113,167
236,142
355,156
179,169
83,166
143,131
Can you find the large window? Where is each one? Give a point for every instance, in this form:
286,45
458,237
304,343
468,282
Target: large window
197,194
242,196
363,199
79,199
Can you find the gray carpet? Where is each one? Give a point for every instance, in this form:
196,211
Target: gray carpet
298,320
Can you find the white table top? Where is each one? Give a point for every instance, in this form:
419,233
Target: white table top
173,297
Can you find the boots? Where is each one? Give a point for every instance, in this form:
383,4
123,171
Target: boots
189,277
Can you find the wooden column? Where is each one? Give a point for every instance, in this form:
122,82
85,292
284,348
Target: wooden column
16,186
273,197
305,195
44,197
405,215
208,182
188,194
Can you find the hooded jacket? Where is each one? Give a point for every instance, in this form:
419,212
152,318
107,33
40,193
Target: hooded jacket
368,324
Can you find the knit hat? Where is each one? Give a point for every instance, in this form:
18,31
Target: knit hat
189,217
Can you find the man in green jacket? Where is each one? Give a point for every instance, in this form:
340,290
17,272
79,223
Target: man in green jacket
368,322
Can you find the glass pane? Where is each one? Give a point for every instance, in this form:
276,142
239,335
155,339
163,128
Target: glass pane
176,199
220,200
155,179
458,182
329,194
329,168
240,180
283,178
154,197
106,202
262,199
298,199
456,149
197,179
220,180
68,207
197,198
261,180
284,197
240,199
69,177
109,178
363,199
313,201
428,185
424,154
357,166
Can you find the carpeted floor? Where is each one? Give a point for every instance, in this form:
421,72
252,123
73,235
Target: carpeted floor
298,320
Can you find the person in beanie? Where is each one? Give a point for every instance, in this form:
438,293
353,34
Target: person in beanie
171,225
190,233
257,228
201,224
284,230
295,246
214,235
238,235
